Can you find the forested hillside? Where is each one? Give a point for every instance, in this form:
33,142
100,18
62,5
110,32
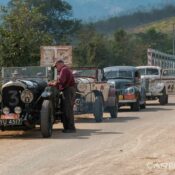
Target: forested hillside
27,25
125,40
164,26
133,20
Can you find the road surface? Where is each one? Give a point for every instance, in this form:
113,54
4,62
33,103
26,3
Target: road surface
136,143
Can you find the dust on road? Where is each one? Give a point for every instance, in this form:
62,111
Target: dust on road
137,143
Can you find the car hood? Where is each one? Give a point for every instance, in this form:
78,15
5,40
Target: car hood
121,83
150,76
27,84
84,80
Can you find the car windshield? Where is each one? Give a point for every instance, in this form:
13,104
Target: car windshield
148,71
31,72
84,73
119,74
168,72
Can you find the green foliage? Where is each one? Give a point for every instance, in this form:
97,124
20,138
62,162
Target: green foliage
93,49
164,26
20,36
156,40
28,24
59,22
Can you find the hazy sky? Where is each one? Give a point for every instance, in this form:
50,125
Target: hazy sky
99,9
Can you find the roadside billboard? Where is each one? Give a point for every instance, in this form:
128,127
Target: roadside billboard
49,54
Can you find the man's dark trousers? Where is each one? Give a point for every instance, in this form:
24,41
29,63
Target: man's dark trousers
67,104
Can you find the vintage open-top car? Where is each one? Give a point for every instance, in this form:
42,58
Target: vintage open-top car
26,100
126,80
94,95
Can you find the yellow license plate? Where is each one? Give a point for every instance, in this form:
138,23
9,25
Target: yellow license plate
120,97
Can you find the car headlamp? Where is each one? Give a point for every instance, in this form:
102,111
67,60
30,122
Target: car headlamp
130,90
81,87
18,110
27,96
160,86
6,110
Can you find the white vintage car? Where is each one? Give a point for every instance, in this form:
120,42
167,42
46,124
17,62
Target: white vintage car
94,95
159,82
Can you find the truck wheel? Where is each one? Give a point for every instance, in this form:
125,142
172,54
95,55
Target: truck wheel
166,99
163,99
143,106
135,106
98,108
46,119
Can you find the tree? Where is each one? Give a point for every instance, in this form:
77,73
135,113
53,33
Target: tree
93,48
121,48
20,37
156,40
59,22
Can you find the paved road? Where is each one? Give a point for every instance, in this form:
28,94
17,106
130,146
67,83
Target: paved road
136,143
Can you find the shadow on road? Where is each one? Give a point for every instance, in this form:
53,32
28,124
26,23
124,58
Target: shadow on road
155,109
157,104
150,108
106,119
57,134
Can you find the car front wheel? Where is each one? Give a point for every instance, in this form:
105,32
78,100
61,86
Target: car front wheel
98,108
135,106
46,119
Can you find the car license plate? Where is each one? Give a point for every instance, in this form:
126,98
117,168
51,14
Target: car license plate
10,122
120,97
9,116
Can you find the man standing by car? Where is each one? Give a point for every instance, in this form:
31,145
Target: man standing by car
65,82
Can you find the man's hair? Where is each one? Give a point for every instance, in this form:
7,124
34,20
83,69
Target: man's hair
58,62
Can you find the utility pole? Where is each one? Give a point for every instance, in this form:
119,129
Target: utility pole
173,36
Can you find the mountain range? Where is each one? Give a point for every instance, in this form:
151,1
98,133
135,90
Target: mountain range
93,10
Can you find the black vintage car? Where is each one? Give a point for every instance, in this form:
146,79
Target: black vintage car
27,101
127,81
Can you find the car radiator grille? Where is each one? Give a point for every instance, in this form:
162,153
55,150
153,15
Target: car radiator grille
11,97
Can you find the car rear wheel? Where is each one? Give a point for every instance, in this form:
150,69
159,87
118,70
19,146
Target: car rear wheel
46,119
98,108
114,110
164,98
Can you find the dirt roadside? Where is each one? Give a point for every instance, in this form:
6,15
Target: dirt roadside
137,143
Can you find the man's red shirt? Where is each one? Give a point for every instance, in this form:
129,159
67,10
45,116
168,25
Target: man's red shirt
65,78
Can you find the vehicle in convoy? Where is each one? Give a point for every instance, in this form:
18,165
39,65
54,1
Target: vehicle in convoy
126,80
155,87
27,101
159,83
93,95
158,76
